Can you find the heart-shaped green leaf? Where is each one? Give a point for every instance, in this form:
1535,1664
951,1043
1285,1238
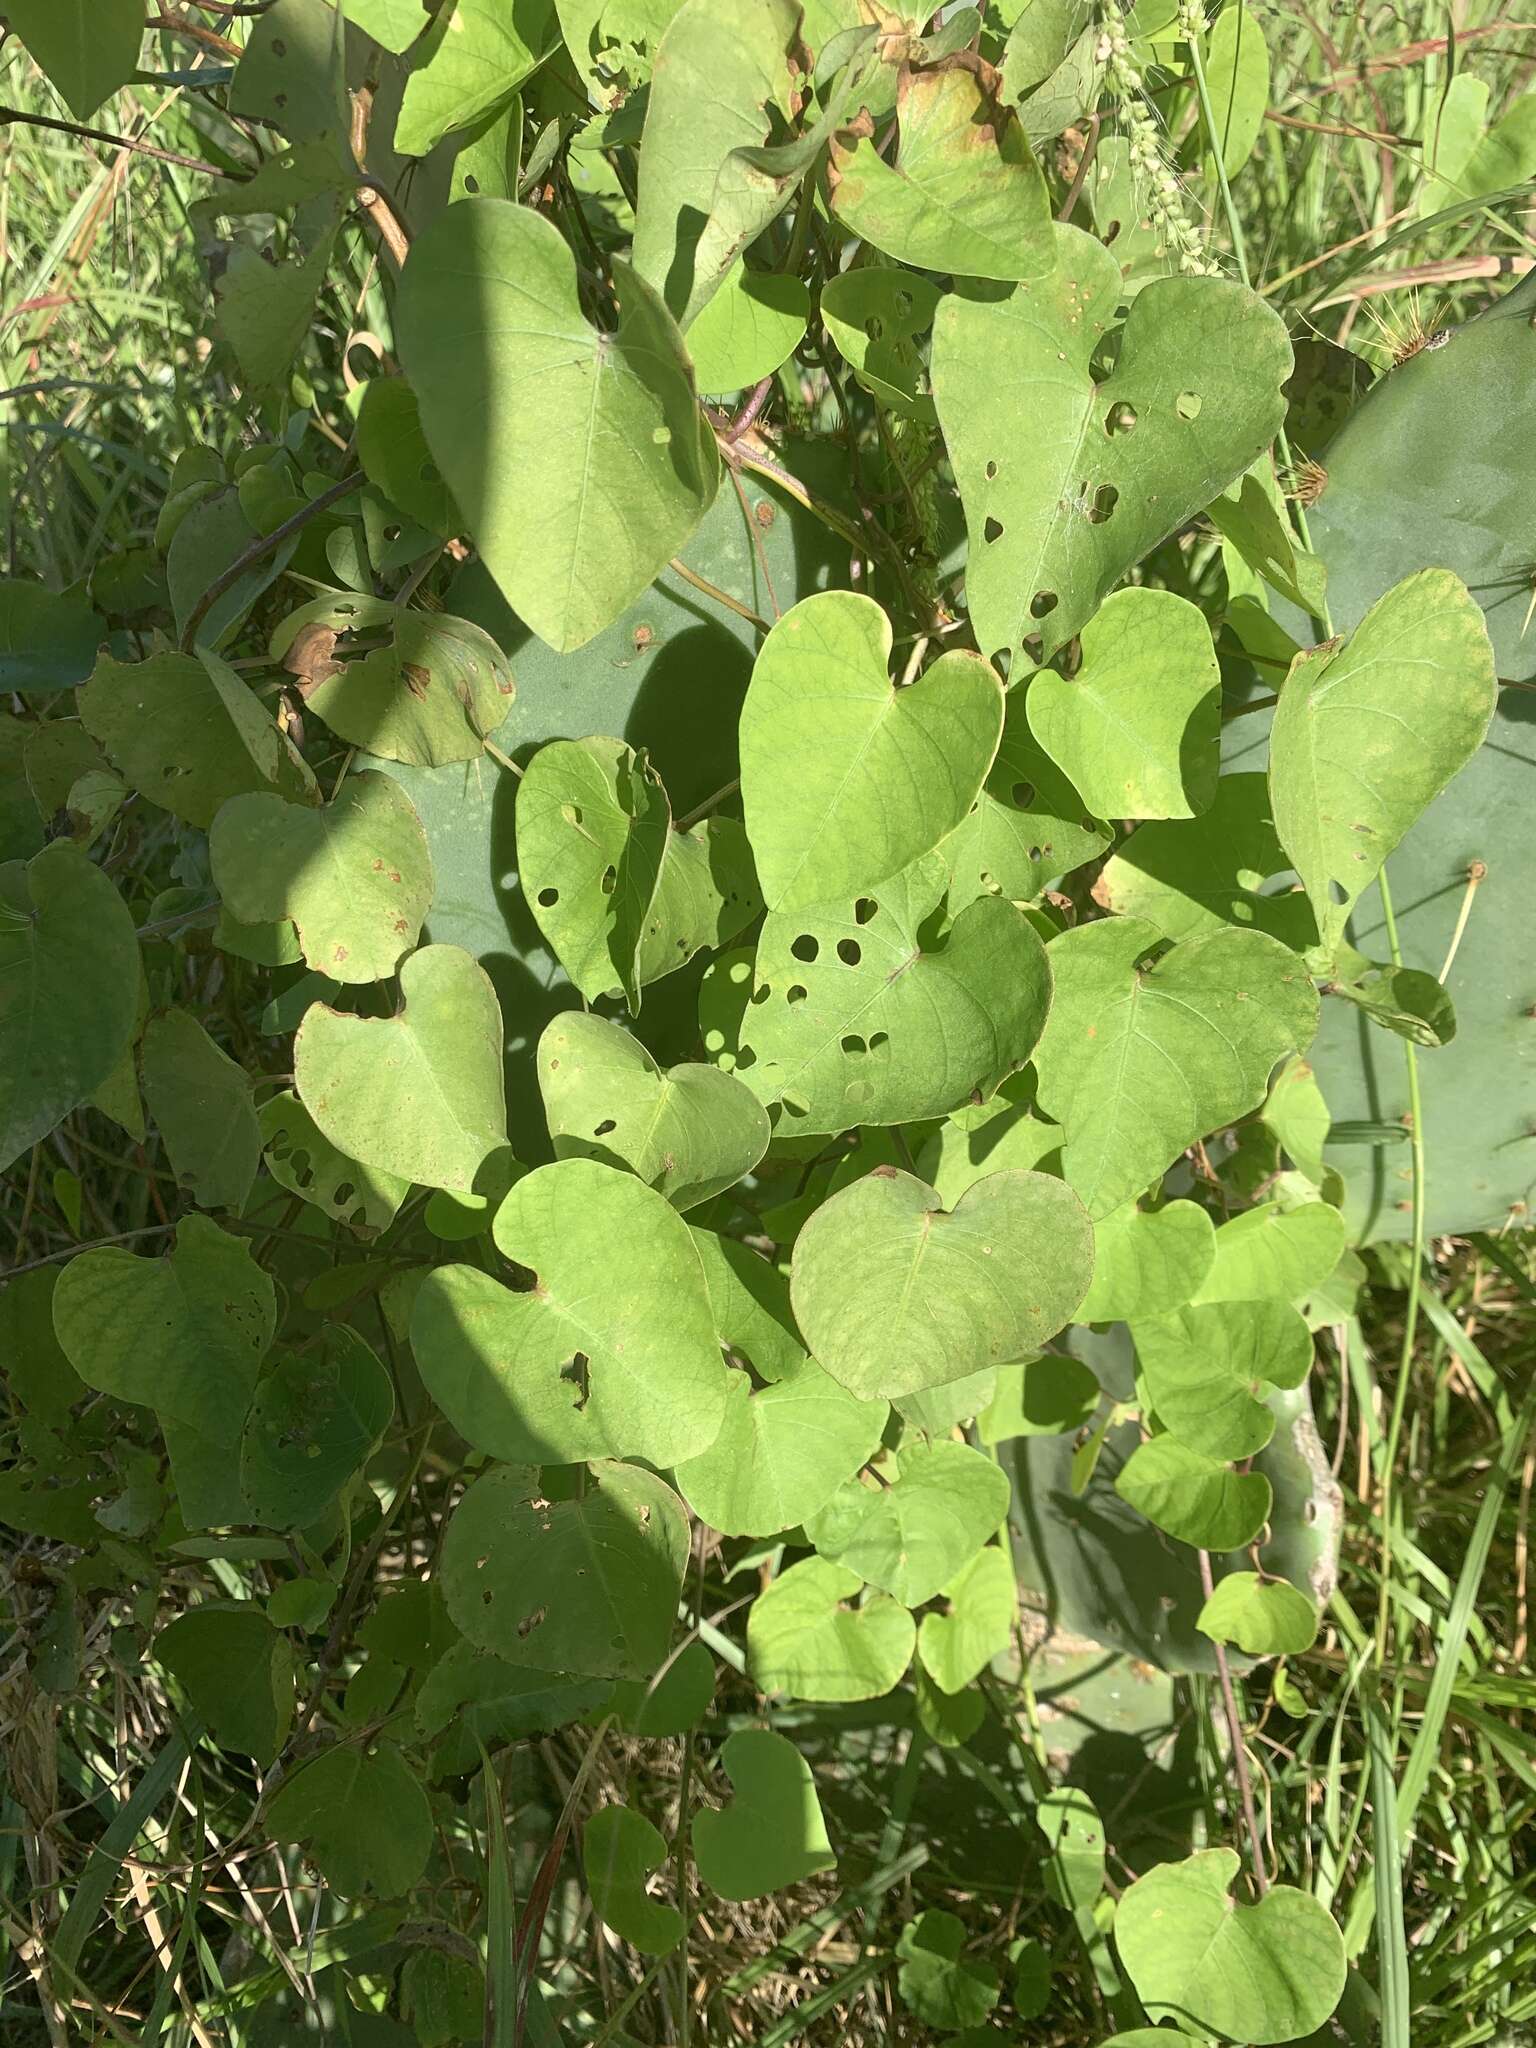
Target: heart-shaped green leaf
238,1674
201,1101
1074,1837
1067,482
206,1475
1137,728
1027,825
964,195
40,1378
937,1411
56,756
707,893
1197,875
1368,733
981,1605
983,1138
511,377
751,326
593,823
804,1639
941,1986
393,450
428,697
468,64
676,1699
188,734
442,1995
1297,1113
564,1371
1270,1251
1140,2037
1263,1617
1030,1984
1218,1012
873,315
69,990
48,638
1263,1973
910,1533
720,66
949,1719
21,815
361,1815
1407,1000
867,1013
781,1453
1039,1397
1251,518
418,1095
613,45
354,875
183,1334
300,1159
1146,1262
894,1293
689,1132
316,1418
87,51
749,1299
772,1834
1205,1367
620,1849
588,1585
1192,1497
847,778
470,1695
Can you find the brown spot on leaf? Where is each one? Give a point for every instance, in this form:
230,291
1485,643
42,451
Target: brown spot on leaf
310,657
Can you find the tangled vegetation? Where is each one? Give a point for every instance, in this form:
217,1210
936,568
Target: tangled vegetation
766,1023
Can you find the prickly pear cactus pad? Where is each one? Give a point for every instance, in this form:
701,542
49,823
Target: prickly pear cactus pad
763,805
1426,472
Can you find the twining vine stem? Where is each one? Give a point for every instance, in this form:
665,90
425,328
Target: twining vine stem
264,545
1239,1748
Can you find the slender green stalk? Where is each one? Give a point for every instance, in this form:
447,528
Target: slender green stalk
1228,205
1387,1875
1411,1313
